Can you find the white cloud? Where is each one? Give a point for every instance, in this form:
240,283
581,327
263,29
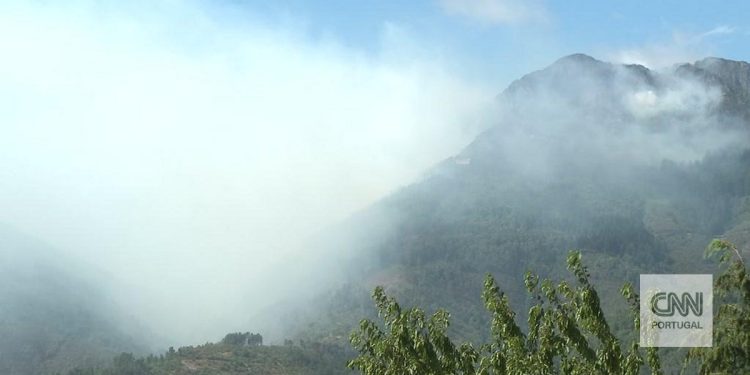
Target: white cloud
687,98
719,30
680,48
657,56
184,152
496,12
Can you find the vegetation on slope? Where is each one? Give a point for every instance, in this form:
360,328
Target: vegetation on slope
456,227
567,332
237,353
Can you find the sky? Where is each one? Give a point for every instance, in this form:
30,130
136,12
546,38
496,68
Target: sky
497,41
187,149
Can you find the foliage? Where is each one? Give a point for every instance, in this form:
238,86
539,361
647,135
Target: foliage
730,353
414,345
567,332
232,356
242,339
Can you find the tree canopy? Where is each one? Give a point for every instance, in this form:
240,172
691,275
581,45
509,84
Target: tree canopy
567,332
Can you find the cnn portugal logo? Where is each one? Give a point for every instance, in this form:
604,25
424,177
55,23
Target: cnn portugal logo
676,310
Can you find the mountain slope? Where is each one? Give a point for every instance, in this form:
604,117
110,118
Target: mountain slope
638,168
51,318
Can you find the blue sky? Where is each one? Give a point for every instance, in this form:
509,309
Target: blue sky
498,40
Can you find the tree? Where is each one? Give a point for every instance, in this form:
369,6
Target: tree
567,332
255,339
414,345
127,364
730,353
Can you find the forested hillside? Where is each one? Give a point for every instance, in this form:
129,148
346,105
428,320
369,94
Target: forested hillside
569,165
238,353
566,333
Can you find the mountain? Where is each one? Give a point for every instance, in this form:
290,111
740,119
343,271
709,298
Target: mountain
734,79
52,317
638,168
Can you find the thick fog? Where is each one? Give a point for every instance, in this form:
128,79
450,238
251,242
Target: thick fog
185,152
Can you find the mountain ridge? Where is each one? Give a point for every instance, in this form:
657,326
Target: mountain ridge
501,206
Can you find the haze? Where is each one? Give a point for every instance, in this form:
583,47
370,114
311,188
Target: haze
186,151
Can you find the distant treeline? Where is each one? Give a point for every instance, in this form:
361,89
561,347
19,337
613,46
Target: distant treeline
238,353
